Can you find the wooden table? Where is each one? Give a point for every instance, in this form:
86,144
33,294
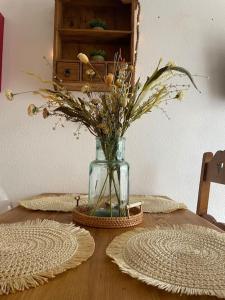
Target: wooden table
98,278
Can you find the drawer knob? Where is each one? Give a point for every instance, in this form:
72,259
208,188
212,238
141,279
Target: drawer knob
67,72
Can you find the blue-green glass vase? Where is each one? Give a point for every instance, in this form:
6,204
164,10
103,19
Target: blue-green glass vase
109,179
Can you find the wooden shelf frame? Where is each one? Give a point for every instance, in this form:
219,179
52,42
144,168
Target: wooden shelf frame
103,35
99,3
70,40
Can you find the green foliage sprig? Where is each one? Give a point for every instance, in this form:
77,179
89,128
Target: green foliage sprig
97,23
99,52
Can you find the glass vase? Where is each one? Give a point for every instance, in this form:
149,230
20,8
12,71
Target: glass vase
109,179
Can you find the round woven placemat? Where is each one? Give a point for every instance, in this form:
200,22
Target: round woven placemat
67,203
157,204
34,251
64,203
185,259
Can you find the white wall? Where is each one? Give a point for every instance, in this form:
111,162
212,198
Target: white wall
165,156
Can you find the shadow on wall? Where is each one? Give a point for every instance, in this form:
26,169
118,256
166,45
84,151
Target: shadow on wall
215,62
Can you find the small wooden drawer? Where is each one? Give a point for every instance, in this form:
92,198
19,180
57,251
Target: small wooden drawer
100,67
68,71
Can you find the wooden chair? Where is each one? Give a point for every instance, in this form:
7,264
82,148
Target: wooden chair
213,170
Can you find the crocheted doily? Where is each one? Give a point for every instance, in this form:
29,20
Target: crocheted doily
185,259
34,251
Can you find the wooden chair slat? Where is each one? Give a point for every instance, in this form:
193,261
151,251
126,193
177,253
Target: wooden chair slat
213,170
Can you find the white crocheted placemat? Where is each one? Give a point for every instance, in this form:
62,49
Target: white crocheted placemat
34,251
64,203
186,259
157,204
67,203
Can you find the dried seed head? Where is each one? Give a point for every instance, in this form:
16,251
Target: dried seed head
83,58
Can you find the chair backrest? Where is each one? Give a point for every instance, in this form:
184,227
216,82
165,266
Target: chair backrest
213,170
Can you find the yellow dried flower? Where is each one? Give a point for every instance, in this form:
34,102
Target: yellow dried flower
118,82
32,110
104,128
171,64
109,79
124,66
9,95
86,89
83,58
90,72
95,101
131,68
45,113
124,101
180,95
101,125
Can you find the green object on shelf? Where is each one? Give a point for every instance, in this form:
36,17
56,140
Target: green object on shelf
98,55
97,24
98,58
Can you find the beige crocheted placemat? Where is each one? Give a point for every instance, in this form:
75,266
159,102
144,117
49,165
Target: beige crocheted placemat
157,203
64,203
186,259
34,251
67,203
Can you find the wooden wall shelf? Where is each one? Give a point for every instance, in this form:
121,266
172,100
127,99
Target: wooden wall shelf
99,3
95,34
73,35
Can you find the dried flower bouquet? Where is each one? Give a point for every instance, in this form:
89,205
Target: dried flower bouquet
108,115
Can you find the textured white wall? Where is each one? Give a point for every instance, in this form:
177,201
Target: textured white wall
165,156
